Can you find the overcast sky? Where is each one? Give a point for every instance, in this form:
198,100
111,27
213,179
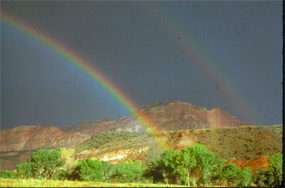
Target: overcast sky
211,54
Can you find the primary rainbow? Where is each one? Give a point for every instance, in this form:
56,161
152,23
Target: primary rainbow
84,66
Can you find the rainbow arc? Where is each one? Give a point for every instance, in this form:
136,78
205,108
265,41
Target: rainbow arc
83,65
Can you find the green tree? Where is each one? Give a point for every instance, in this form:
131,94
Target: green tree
108,170
44,163
275,169
163,169
192,165
88,170
154,171
41,164
24,170
130,171
260,177
235,176
273,175
169,164
185,163
202,166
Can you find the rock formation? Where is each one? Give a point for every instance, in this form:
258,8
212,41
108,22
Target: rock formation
172,115
162,119
175,115
36,137
116,156
254,164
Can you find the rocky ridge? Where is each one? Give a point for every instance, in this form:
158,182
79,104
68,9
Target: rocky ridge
36,137
173,123
172,115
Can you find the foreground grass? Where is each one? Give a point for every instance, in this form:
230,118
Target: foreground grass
67,183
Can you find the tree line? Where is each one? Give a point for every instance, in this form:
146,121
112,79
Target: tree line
191,166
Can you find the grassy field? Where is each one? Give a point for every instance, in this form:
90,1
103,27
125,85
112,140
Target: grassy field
67,183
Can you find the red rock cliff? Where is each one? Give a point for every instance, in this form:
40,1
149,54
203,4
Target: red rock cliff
36,137
178,115
172,115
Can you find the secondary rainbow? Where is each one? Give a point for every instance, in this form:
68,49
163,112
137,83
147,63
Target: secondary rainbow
210,66
84,66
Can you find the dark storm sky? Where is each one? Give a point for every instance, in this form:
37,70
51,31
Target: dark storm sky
142,47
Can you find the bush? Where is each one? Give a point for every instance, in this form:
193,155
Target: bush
273,175
275,169
41,164
108,170
7,174
24,170
260,177
61,174
88,170
130,171
235,176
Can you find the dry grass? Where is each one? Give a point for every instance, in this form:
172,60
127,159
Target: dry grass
67,183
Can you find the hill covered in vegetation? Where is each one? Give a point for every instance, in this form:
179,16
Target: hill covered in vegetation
242,143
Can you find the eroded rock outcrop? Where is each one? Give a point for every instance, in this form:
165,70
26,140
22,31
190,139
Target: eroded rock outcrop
254,164
37,137
116,156
165,116
171,115
175,115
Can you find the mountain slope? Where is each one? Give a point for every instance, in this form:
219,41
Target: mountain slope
175,124
242,143
172,115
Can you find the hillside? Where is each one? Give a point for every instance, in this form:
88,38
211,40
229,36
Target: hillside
171,115
241,143
175,124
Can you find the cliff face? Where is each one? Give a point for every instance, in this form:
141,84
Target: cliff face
37,137
173,115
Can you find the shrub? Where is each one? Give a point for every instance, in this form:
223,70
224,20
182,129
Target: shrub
273,175
88,170
108,170
235,176
260,177
275,169
41,164
7,174
130,171
24,170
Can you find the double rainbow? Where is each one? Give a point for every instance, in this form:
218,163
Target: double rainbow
209,66
85,66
